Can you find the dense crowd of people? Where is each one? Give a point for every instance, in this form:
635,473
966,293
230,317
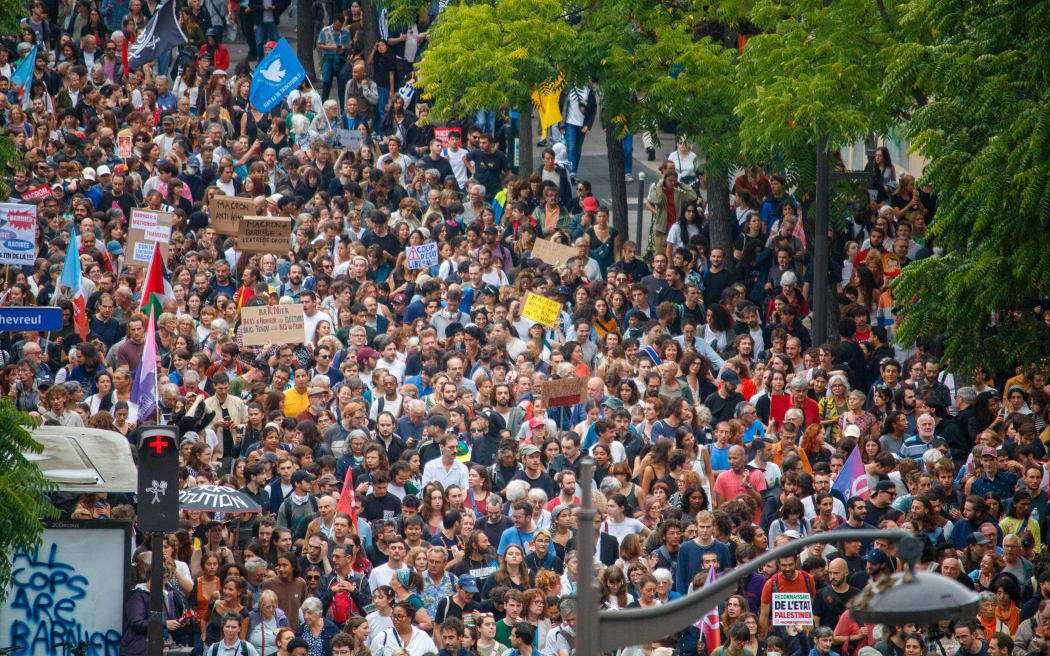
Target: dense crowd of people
418,497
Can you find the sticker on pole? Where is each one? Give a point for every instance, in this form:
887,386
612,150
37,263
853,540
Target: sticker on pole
792,609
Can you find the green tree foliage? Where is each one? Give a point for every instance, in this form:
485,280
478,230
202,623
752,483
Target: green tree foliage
23,489
986,132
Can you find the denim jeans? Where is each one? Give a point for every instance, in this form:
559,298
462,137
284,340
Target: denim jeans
628,152
264,32
574,144
486,121
380,113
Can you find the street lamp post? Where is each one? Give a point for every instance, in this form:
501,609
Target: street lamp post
890,600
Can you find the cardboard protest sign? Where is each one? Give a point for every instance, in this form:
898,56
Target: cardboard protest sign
264,234
563,392
227,211
541,309
553,253
422,256
17,234
792,609
124,147
273,324
146,228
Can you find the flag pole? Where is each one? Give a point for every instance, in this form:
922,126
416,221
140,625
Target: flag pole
325,114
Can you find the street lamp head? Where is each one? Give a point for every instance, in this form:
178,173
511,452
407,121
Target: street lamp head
902,597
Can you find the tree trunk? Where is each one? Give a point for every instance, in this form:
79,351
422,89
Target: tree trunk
304,28
720,218
370,27
524,140
617,185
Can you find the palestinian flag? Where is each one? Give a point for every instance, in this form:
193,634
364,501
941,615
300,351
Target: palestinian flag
156,289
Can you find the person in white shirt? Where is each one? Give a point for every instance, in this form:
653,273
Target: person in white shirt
616,522
312,315
457,159
382,574
402,635
490,273
395,156
446,469
389,358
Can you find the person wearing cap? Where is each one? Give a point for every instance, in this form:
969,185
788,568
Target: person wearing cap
723,404
992,479
881,501
533,472
300,504
462,602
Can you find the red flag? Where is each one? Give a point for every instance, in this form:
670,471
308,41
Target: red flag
124,57
347,503
709,624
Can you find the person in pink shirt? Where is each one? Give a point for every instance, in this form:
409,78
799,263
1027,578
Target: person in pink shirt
738,479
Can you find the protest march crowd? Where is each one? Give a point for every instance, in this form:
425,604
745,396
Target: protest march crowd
401,351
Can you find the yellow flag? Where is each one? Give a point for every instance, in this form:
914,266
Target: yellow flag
546,100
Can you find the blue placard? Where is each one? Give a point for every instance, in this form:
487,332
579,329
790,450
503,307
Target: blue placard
30,318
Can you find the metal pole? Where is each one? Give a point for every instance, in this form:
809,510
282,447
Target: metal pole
821,246
641,210
622,628
586,579
155,636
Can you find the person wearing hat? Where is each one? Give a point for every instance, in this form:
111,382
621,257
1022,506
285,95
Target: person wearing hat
301,504
723,404
461,603
533,472
881,501
992,479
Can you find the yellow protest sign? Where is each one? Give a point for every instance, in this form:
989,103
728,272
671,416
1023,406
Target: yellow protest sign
541,309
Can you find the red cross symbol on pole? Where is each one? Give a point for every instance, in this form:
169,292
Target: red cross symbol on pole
158,444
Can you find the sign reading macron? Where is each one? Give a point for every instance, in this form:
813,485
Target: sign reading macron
792,609
273,324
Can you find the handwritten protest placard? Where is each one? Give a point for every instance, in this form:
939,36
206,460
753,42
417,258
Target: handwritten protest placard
541,309
351,140
264,234
273,324
227,211
422,256
17,234
553,253
563,392
146,228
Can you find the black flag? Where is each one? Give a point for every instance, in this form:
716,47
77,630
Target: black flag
161,33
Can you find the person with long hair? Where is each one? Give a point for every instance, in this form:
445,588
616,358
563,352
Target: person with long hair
512,572
613,585
289,587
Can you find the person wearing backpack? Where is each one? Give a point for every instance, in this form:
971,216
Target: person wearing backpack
231,643
739,635
789,579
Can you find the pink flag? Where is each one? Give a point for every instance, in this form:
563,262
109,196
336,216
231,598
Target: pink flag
852,481
708,624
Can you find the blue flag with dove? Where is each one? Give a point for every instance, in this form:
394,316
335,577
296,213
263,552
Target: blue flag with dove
277,74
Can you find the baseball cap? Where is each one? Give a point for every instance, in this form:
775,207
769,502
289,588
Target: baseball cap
269,457
558,509
401,297
114,247
103,170
490,289
327,479
879,557
730,377
536,421
301,475
468,583
88,173
529,449
590,204
316,390
988,451
270,44
977,538
366,352
885,486
852,431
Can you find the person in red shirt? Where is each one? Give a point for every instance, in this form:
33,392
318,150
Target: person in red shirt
798,388
789,579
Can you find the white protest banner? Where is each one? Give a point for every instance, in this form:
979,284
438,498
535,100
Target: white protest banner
350,139
792,609
17,234
273,324
146,228
422,256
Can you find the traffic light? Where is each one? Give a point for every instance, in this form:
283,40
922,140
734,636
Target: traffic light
158,479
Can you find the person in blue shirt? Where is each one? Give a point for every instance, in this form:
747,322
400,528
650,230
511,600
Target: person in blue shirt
691,553
992,479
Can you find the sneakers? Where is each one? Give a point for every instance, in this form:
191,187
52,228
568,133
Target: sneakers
650,154
543,143
628,177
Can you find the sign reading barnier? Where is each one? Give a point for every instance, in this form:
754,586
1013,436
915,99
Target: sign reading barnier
273,324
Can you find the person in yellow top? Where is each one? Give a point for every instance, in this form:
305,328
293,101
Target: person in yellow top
789,439
1018,519
296,398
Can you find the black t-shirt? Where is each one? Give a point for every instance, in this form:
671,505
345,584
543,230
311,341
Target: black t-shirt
388,241
383,65
444,169
481,570
494,531
386,507
714,284
489,169
723,409
828,605
447,608
542,482
375,556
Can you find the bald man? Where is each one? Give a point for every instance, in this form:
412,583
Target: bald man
830,600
